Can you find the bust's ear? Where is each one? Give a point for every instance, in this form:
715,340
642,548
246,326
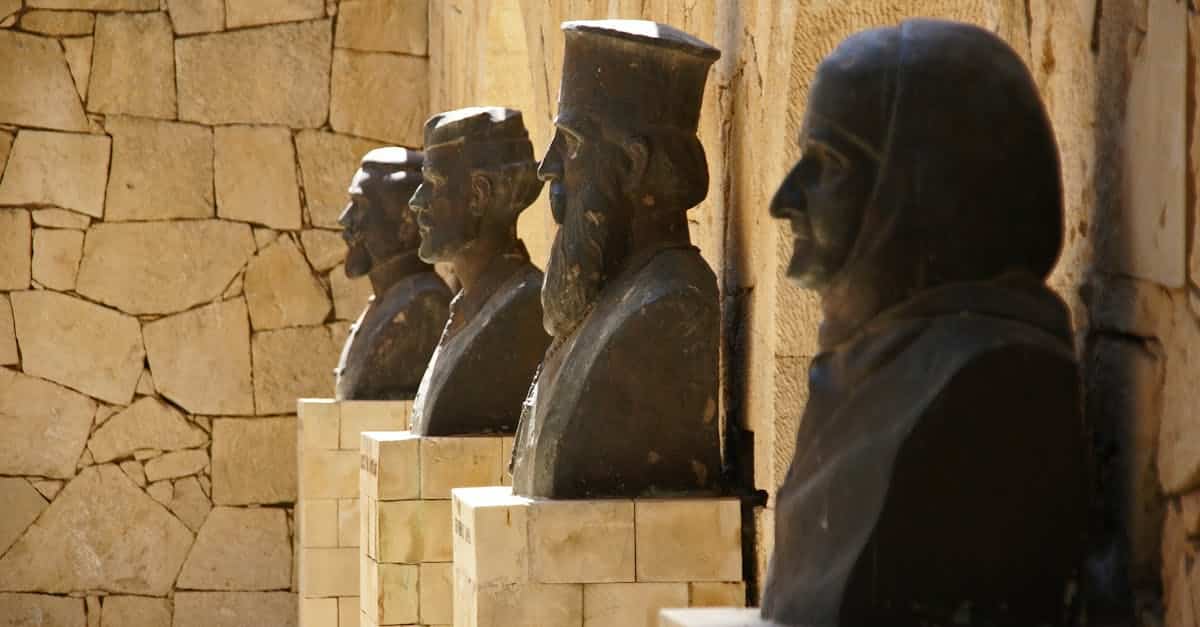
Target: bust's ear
482,193
637,149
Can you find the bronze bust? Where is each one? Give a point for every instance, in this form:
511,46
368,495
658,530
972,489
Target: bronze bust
940,468
625,403
391,342
479,175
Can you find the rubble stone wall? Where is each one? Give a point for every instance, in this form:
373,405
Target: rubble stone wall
171,173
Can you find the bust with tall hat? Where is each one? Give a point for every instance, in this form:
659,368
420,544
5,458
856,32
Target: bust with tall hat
479,174
391,342
625,403
939,475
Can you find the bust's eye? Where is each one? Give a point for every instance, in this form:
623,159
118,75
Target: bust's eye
572,143
828,164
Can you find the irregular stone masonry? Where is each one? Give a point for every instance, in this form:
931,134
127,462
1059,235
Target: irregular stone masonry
168,232
599,563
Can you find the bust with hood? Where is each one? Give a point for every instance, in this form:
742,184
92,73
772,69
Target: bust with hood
940,469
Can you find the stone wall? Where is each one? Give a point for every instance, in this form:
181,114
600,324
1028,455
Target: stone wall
170,176
171,280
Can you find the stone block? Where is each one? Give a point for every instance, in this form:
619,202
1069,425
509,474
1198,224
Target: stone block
79,60
180,264
254,12
587,541
60,219
319,423
319,612
143,545
52,430
81,345
329,572
437,593
254,461
630,604
16,249
8,12
384,26
712,617
506,452
95,5
36,88
280,378
56,255
129,611
148,423
281,290
391,466
716,594
66,170
361,416
390,593
6,140
1154,140
21,504
240,549
177,464
273,75
365,84
201,358
491,545
348,611
160,170
327,163
324,249
189,502
196,16
526,605
320,526
348,522
145,384
8,334
255,169
689,540
409,532
18,610
458,462
328,474
350,296
133,66
230,609
58,23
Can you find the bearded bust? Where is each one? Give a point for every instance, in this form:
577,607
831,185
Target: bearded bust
940,468
625,403
478,176
390,343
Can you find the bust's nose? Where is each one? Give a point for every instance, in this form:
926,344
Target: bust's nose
789,198
348,218
550,168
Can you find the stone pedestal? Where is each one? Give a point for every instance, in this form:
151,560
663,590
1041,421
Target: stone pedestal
327,511
712,617
595,563
404,495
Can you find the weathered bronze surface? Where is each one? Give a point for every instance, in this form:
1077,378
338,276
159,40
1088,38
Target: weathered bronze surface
625,403
940,474
391,342
479,175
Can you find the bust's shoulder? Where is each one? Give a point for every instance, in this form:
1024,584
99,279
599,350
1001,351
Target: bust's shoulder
673,276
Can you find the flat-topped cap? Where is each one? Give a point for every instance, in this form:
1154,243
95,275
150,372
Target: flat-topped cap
633,74
490,136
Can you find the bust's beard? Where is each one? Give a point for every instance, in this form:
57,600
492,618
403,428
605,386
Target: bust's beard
575,271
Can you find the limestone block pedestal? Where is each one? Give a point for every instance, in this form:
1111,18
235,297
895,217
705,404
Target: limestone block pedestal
520,562
712,617
404,496
327,510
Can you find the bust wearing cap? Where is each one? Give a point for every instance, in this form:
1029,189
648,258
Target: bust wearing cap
625,403
479,174
390,343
